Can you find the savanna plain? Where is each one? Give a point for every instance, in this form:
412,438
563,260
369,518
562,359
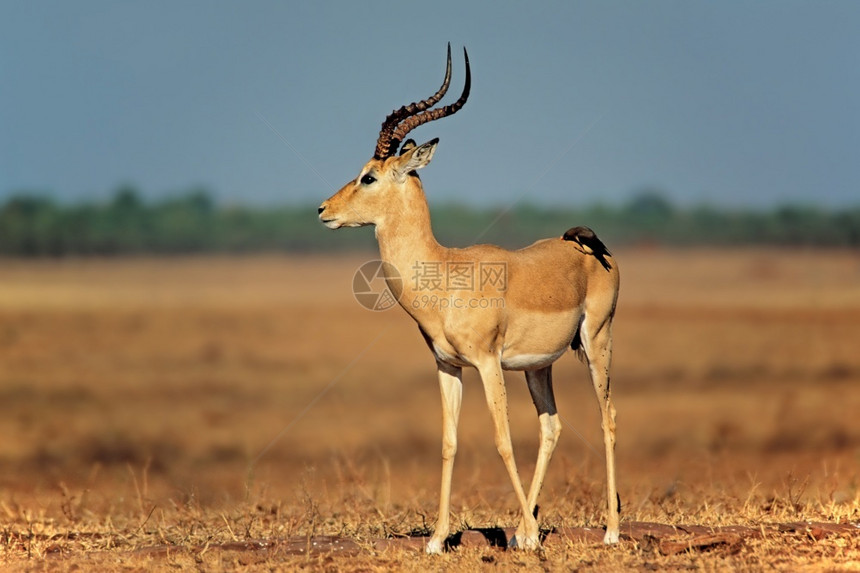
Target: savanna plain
211,413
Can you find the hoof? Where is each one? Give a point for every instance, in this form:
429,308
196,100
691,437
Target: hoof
434,547
527,543
611,537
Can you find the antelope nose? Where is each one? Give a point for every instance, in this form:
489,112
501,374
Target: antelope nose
320,210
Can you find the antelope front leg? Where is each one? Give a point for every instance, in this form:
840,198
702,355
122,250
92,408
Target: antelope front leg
494,388
450,383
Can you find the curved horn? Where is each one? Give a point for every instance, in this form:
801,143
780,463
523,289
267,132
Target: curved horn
383,143
414,121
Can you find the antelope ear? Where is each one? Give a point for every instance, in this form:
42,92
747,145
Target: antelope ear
415,158
407,145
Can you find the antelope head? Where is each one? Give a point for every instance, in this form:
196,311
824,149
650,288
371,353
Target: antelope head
389,181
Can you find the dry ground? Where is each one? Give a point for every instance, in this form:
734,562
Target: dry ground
161,413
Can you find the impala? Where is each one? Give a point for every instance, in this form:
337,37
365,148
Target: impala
556,294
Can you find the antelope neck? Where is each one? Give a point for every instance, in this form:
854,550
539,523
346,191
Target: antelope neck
407,237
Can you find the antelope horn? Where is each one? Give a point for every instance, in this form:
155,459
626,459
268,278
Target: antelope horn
414,121
383,144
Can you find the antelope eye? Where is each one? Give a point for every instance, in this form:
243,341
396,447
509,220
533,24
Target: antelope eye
368,179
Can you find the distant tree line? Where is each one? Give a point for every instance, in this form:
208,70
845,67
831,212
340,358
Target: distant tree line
35,225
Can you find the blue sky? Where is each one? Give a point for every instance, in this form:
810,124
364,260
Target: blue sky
727,103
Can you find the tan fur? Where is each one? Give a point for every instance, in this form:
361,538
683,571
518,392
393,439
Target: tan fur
554,289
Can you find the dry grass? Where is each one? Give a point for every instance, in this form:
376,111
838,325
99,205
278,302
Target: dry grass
162,403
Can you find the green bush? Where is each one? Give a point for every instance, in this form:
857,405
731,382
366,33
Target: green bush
32,224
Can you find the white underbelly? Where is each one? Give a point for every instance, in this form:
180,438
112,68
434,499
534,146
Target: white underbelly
529,361
447,357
